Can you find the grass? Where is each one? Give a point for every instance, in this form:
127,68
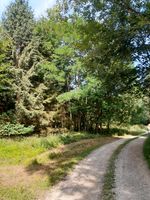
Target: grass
109,178
21,151
28,166
15,193
42,162
127,129
146,150
57,163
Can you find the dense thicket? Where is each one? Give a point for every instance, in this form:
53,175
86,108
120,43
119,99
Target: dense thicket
78,68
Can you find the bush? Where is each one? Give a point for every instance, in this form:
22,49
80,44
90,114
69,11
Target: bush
8,117
10,129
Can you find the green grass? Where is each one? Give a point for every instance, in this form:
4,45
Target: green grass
20,151
109,178
15,193
146,150
126,129
56,164
16,152
53,166
48,155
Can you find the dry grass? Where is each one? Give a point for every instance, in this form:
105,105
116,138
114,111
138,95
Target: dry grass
44,170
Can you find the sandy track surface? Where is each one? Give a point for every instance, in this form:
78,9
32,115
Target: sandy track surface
132,173
86,180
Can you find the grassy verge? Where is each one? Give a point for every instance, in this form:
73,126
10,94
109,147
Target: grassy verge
109,178
146,150
127,129
24,178
20,151
15,193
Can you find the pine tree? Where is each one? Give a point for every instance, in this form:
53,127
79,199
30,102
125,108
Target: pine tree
6,91
18,23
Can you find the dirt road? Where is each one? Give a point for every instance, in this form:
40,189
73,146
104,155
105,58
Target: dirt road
86,180
132,173
132,176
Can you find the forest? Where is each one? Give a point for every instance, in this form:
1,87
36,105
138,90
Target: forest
83,67
71,81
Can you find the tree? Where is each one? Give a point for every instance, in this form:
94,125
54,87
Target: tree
60,70
71,69
18,22
6,91
123,26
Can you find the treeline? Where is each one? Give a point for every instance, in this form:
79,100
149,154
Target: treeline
83,67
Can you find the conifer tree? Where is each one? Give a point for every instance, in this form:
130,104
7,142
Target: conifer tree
18,21
6,92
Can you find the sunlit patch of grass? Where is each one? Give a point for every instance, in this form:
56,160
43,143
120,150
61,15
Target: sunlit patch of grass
15,152
58,163
21,151
48,167
16,193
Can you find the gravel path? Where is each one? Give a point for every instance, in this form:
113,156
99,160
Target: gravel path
132,173
86,180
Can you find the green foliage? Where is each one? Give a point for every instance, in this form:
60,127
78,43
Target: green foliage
140,113
75,69
123,31
9,129
6,80
18,23
8,116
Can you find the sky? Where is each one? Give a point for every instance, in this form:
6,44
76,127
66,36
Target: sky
39,6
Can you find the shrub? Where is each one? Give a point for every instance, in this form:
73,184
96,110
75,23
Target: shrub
10,129
8,117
